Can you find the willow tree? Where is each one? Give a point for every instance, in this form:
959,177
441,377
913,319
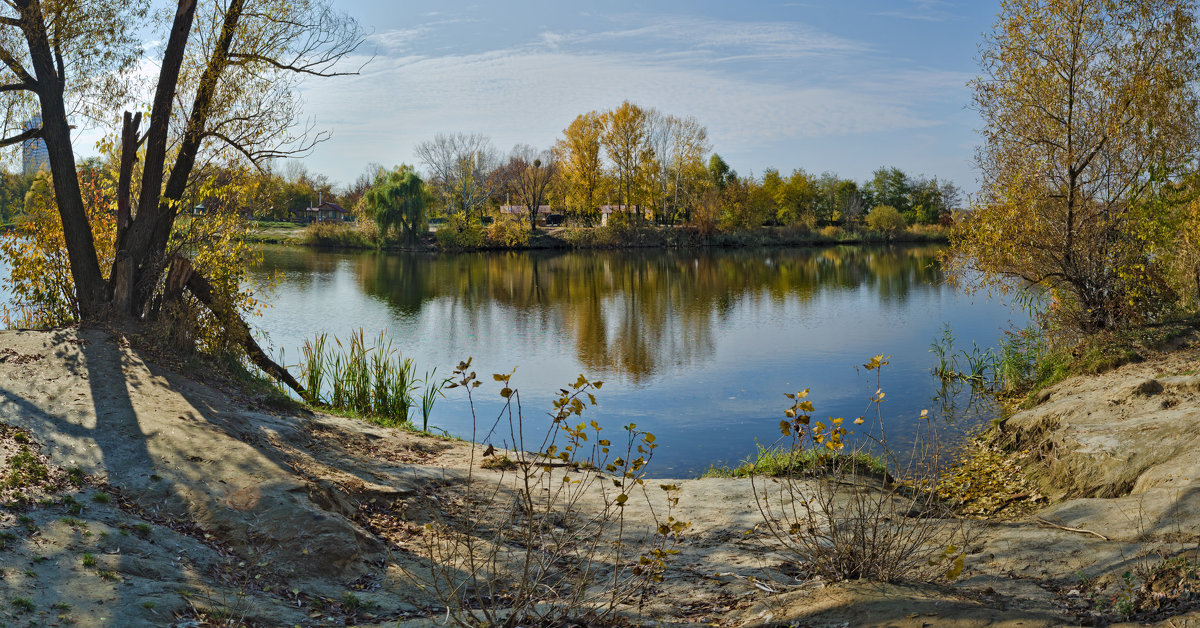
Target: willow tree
224,90
397,201
1089,112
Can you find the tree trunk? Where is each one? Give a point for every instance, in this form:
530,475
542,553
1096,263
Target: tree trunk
56,132
183,275
145,256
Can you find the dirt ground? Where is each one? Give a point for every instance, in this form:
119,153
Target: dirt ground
136,495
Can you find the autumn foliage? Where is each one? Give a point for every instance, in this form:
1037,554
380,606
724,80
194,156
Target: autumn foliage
43,294
1091,123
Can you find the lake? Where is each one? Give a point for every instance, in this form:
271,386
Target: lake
696,346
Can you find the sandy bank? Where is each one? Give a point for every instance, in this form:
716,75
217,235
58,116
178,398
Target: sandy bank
195,498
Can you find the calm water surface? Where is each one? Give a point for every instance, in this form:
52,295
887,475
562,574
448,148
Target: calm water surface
696,346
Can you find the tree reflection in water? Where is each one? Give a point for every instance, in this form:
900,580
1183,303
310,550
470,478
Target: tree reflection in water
631,312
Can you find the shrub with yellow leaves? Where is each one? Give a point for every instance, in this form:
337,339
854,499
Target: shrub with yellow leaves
545,539
838,516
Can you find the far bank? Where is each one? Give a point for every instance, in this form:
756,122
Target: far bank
501,236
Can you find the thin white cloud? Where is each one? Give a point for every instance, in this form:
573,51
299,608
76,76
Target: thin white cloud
751,40
923,10
530,96
399,40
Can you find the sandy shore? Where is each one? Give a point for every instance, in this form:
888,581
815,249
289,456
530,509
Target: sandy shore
168,501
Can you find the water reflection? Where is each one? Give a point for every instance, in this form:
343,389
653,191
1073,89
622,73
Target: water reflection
696,346
624,312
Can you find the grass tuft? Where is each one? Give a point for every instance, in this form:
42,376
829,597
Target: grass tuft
782,462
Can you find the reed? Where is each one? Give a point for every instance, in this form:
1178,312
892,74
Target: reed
312,369
358,375
433,389
403,386
376,382
382,375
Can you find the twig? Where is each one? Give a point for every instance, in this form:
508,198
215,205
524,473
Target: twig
1009,500
1045,523
755,582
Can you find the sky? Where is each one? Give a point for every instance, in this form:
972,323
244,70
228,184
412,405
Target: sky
846,86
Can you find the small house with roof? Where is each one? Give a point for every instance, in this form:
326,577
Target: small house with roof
327,211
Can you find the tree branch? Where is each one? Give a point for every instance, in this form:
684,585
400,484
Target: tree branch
16,139
242,58
183,275
13,87
9,60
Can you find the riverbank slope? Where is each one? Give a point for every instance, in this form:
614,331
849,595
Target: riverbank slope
137,495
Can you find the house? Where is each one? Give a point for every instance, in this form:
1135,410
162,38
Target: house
325,212
607,210
546,214
521,210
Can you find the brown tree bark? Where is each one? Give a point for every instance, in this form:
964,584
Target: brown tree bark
48,84
158,205
183,275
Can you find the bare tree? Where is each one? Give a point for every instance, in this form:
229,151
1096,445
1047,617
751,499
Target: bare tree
661,130
533,170
678,146
461,168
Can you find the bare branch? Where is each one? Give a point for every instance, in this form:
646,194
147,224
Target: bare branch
306,68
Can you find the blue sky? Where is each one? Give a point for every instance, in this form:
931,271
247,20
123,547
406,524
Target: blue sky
845,86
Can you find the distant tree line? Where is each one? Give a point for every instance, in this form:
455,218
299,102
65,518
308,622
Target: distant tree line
652,167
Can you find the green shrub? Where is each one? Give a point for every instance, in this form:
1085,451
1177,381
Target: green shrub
781,462
886,219
333,235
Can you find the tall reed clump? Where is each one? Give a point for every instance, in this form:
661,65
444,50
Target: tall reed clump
1023,360
542,538
979,366
840,519
374,381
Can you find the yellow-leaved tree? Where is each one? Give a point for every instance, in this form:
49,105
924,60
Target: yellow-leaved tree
43,293
626,140
581,170
1090,115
